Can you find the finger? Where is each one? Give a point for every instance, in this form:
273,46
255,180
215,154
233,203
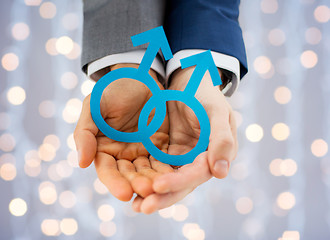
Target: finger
84,135
222,146
156,201
159,166
142,166
233,127
107,171
136,205
140,184
187,177
130,152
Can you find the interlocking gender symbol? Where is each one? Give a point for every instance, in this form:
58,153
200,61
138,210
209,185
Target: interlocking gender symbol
157,40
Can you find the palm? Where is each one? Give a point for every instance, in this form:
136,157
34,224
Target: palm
124,168
184,135
121,104
184,131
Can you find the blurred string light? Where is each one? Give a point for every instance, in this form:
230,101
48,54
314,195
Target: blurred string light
47,152
7,142
322,13
53,140
319,148
290,235
280,131
32,2
32,166
67,199
308,59
192,231
274,167
279,167
75,52
262,65
72,158
108,229
47,193
16,95
8,171
50,227
106,212
70,142
179,212
282,95
69,226
288,167
10,61
47,10
313,35
244,205
51,46
99,187
72,110
52,173
17,207
20,31
69,80
269,6
64,169
276,37
87,87
286,200
64,45
254,133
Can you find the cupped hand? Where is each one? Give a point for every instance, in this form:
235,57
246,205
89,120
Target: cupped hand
184,133
124,168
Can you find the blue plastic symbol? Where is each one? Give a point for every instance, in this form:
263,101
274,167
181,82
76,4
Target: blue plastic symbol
157,40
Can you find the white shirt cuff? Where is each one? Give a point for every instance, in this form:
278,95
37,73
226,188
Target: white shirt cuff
221,61
134,56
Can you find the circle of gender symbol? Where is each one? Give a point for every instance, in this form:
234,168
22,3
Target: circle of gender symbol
203,61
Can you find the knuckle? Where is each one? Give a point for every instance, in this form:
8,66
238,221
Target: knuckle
227,142
75,134
86,100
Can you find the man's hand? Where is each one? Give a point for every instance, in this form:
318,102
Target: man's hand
184,134
124,168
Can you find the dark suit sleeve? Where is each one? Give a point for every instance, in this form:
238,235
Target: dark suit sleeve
206,24
109,25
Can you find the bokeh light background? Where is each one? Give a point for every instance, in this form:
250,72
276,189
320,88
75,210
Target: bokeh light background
278,187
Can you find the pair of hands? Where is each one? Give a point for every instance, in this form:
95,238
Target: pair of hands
127,168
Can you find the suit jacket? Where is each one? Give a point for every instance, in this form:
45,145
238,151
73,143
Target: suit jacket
189,24
206,24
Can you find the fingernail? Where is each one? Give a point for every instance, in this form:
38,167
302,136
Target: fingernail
161,186
221,166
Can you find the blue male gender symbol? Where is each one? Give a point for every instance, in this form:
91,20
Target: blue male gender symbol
157,40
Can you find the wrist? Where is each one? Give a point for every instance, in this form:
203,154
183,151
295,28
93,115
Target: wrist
180,78
100,73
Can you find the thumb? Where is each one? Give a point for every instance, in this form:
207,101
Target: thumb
221,149
84,135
